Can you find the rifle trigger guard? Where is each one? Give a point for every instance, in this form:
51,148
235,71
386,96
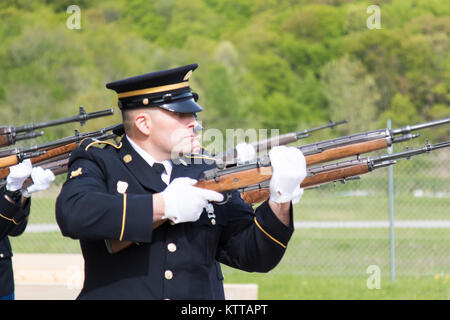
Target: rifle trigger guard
227,198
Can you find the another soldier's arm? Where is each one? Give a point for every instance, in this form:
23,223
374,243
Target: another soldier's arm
13,216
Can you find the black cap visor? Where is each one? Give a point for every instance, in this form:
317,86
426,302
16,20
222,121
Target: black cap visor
183,106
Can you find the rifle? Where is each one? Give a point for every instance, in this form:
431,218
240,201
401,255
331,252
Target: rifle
9,134
52,149
341,171
364,142
267,144
234,177
256,192
58,166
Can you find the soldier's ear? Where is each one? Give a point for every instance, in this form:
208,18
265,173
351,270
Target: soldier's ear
143,123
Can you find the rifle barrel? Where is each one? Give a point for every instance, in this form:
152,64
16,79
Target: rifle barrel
81,117
331,124
420,126
409,153
278,140
29,135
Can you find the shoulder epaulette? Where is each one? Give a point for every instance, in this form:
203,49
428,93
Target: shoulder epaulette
88,143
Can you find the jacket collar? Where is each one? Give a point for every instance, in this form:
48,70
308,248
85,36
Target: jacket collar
151,179
143,172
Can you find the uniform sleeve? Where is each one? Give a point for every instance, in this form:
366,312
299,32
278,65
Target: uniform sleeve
253,241
86,210
13,217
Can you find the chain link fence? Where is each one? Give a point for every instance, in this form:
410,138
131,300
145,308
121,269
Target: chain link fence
340,229
343,229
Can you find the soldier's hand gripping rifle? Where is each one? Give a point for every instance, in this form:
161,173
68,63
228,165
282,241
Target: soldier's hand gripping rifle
340,171
9,134
267,144
52,149
57,165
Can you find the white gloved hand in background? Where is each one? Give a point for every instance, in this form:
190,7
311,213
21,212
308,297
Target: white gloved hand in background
18,174
185,203
288,171
41,179
245,152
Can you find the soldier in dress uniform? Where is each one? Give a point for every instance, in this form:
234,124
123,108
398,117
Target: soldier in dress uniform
136,191
14,211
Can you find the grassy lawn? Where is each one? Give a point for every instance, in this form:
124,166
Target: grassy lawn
313,207
296,287
48,242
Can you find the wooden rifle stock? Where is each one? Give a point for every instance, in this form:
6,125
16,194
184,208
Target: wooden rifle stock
4,140
53,152
260,195
236,180
255,196
8,161
113,245
346,151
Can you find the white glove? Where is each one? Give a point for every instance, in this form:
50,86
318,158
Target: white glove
184,203
288,171
41,179
245,152
18,174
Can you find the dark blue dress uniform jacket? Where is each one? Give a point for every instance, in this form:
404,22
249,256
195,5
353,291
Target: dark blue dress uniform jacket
174,261
13,221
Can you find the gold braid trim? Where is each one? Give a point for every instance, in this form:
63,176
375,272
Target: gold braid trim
267,234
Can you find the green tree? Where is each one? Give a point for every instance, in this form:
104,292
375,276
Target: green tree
316,22
402,112
351,93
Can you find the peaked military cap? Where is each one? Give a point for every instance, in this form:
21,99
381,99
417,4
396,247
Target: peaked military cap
167,89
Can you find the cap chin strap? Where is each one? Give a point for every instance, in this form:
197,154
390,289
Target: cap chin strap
169,97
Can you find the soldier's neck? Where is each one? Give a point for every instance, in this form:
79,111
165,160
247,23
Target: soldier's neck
153,150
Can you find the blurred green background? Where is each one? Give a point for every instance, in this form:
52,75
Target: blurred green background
280,64
273,64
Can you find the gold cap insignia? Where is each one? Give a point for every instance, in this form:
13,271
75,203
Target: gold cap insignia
127,158
76,173
122,187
